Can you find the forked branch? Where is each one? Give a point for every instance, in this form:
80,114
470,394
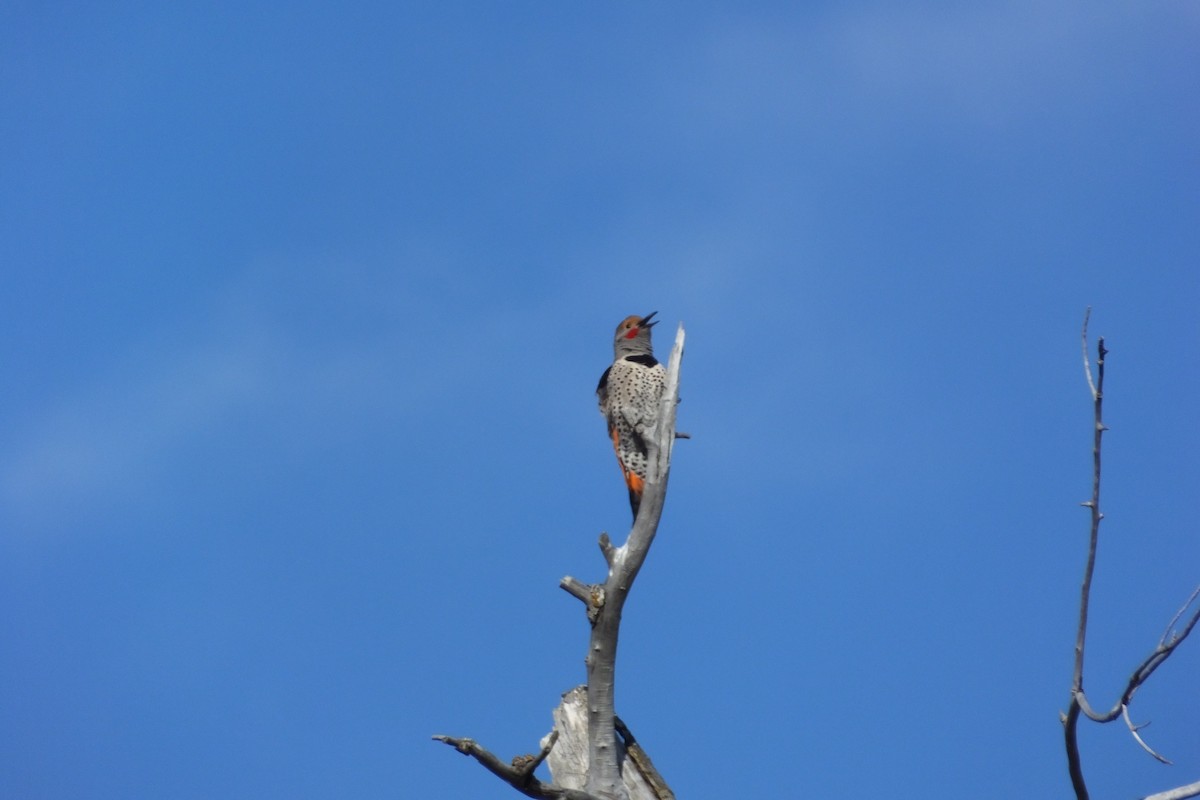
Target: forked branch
1171,638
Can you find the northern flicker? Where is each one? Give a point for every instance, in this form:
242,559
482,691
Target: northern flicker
629,392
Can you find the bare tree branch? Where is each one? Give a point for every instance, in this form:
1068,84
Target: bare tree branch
607,548
1167,644
592,595
1087,367
1070,722
1180,793
1167,639
519,777
577,588
1097,390
527,764
1071,719
1133,730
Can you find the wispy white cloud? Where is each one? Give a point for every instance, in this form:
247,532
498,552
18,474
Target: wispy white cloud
319,360
108,435
987,65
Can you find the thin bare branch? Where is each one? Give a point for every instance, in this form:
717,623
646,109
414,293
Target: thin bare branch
1170,640
520,778
527,764
606,547
1070,722
1144,670
1078,699
1087,366
1175,620
1179,793
1092,504
1133,729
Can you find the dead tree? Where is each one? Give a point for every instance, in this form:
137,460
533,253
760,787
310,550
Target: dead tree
1172,637
592,755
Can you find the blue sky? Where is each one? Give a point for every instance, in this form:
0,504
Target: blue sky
303,314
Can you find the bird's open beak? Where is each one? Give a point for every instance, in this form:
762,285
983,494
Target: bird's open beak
645,322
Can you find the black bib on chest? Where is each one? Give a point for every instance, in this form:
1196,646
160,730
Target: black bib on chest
645,361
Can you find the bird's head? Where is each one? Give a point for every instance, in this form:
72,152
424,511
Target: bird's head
633,335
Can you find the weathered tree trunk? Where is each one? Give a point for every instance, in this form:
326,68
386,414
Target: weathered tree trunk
568,760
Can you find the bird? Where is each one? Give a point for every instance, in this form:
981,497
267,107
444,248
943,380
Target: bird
629,392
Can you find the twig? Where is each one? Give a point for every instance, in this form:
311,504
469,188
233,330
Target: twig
606,547
527,764
1087,367
1171,625
520,778
1133,729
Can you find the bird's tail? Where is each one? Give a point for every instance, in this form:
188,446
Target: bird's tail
633,481
636,485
